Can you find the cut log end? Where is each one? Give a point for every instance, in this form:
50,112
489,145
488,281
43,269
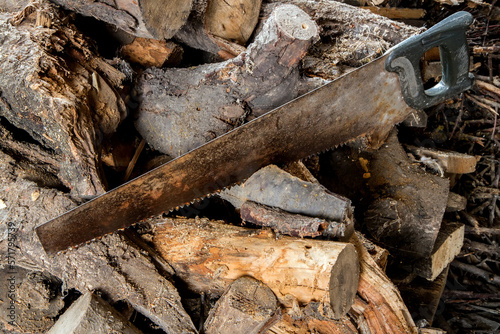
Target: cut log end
344,279
164,18
294,22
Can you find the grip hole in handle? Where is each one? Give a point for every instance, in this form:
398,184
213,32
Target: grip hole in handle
431,70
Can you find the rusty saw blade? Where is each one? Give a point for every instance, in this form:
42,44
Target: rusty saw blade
367,101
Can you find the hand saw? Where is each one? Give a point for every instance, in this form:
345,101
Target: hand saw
367,101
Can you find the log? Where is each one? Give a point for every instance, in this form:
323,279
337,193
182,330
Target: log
273,187
31,300
180,109
407,204
150,52
57,89
295,225
450,162
144,18
378,306
350,36
91,314
207,256
396,13
113,265
220,26
245,307
448,245
10,6
423,296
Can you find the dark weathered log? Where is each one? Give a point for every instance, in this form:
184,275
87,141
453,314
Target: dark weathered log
144,18
215,26
31,300
58,90
350,36
183,108
407,204
151,52
422,296
245,307
113,265
91,314
296,225
273,187
208,256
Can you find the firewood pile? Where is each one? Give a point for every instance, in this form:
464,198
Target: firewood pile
393,232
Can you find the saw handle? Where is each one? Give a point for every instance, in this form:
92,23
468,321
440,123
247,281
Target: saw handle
404,59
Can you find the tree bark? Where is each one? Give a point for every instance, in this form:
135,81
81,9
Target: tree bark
183,108
208,256
91,314
144,18
57,89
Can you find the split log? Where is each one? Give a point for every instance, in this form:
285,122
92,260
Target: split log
273,187
178,111
208,256
151,52
449,162
31,300
448,245
350,36
407,204
57,89
91,314
144,18
220,26
112,265
378,306
245,307
292,324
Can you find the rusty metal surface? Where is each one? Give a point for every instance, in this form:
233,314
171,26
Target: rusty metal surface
366,101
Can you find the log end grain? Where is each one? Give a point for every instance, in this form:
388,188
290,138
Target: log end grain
164,18
344,279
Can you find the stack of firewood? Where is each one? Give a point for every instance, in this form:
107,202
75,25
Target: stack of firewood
94,93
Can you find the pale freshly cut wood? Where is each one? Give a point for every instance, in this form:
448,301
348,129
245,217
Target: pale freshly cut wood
451,162
245,307
207,256
448,244
143,18
91,314
184,108
151,52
